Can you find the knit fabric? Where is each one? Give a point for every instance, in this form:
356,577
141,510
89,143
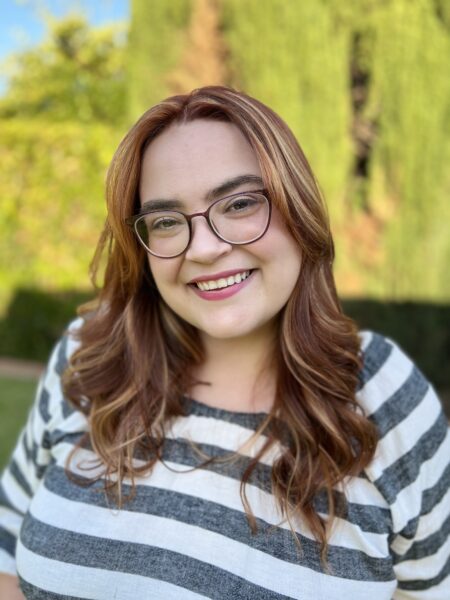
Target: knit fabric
185,534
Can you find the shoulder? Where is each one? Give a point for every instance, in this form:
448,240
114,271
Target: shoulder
51,401
389,380
413,444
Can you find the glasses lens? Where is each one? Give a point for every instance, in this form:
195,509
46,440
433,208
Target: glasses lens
164,233
241,219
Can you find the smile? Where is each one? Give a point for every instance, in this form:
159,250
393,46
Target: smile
223,282
225,287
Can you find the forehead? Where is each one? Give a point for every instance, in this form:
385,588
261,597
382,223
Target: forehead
191,158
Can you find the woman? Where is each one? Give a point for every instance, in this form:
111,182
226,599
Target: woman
213,426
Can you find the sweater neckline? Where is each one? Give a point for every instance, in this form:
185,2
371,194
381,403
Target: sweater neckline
246,419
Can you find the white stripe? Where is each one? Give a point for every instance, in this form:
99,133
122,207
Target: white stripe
224,491
10,520
228,436
7,563
365,337
428,525
94,584
26,467
388,380
15,493
360,490
425,568
438,592
408,503
347,535
404,436
195,542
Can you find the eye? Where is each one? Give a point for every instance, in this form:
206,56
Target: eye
163,223
245,206
240,204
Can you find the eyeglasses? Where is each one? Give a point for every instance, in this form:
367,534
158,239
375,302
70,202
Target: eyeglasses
240,218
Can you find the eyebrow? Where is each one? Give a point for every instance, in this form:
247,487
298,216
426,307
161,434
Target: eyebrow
221,190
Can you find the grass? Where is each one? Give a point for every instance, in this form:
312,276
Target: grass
16,397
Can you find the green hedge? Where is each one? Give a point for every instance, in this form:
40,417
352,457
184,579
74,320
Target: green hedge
52,198
36,318
34,321
363,87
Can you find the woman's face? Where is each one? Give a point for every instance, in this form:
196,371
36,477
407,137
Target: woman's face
184,163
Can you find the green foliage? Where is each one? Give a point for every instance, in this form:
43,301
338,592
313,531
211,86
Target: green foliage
60,121
363,86
409,101
78,72
294,57
155,44
35,319
51,190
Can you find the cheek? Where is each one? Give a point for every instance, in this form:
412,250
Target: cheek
164,271
282,250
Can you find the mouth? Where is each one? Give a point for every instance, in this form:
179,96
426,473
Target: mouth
224,287
223,282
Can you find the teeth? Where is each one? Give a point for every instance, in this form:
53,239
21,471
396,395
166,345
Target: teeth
223,282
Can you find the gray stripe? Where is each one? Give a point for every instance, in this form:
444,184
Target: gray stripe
17,474
401,404
426,547
43,404
7,541
406,469
31,455
425,584
248,420
31,592
368,518
430,499
5,501
180,451
138,559
434,495
61,357
272,540
57,436
67,409
410,529
374,357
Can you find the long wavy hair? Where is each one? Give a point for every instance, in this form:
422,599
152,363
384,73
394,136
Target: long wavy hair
136,355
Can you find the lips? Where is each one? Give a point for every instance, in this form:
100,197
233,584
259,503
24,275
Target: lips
216,276
223,293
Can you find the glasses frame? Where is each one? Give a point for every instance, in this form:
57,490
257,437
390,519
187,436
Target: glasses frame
131,221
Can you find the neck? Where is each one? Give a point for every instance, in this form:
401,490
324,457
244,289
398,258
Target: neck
238,374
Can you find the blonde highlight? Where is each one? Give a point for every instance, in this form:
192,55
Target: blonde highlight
136,355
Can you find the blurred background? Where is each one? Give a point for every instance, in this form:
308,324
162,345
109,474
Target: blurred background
363,84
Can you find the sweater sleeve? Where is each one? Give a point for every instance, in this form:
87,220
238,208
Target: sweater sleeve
32,455
411,469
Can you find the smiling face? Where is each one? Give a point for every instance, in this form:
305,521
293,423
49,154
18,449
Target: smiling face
190,163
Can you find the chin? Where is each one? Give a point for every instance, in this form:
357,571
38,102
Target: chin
222,334
234,329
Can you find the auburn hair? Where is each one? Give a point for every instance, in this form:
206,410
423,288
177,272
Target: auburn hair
135,355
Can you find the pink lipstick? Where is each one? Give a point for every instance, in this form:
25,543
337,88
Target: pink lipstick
221,293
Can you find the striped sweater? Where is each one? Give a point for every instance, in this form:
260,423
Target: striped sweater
185,534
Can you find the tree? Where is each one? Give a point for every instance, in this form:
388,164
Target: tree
156,41
77,73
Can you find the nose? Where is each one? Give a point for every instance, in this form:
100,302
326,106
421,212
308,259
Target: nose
205,246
